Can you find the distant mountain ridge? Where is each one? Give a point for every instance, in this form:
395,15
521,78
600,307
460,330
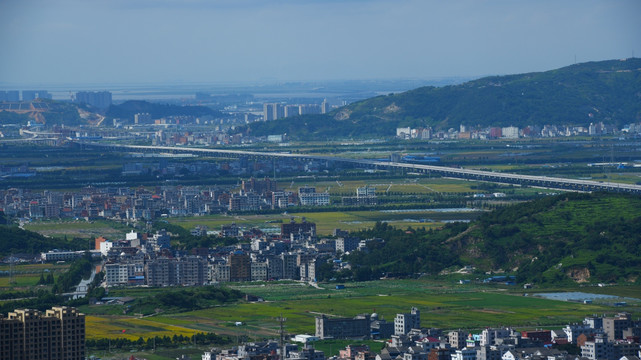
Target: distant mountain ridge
128,109
604,91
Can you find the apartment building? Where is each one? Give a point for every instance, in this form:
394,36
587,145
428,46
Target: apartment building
57,334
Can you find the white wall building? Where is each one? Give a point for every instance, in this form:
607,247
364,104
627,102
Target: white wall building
510,132
314,199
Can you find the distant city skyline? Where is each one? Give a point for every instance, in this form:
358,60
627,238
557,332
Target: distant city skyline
253,41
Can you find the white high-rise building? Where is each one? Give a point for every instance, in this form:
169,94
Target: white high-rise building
510,132
99,99
403,323
325,107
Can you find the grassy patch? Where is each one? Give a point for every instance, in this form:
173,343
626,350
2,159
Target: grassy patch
332,347
327,221
77,228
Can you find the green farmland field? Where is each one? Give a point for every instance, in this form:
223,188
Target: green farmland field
327,221
442,305
27,275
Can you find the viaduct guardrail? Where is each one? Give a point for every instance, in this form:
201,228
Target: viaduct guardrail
506,178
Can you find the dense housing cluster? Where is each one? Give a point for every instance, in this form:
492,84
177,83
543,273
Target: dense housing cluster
598,338
148,259
147,204
514,132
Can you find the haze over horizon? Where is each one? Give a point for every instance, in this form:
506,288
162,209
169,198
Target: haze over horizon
199,41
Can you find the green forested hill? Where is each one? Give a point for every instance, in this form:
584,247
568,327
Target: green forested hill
586,237
14,240
607,91
570,237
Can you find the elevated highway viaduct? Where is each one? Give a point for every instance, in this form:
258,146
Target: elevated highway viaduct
490,176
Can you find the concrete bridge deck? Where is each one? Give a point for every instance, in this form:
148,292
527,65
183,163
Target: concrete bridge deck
490,176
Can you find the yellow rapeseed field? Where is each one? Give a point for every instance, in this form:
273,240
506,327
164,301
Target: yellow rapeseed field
134,328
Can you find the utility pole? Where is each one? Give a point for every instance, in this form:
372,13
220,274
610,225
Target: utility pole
281,321
12,270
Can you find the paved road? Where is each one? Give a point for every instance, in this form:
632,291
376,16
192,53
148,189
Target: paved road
531,180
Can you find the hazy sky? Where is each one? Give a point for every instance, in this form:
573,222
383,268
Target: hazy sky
211,41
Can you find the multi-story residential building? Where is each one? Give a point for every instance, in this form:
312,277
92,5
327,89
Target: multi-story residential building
275,267
510,132
490,335
574,330
239,266
59,334
99,99
343,328
229,230
365,195
325,107
221,273
365,191
58,255
613,327
543,336
403,323
464,354
125,273
279,199
440,354
292,110
309,109
314,199
346,244
29,95
496,132
290,266
259,271
160,240
160,272
303,227
305,274
268,112
273,111
306,353
598,349
488,353
189,270
594,322
142,118
260,187
457,338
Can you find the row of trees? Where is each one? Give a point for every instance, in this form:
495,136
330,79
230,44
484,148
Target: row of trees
157,341
184,299
402,252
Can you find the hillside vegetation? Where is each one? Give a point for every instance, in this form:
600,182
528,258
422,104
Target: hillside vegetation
607,91
14,240
128,109
570,237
